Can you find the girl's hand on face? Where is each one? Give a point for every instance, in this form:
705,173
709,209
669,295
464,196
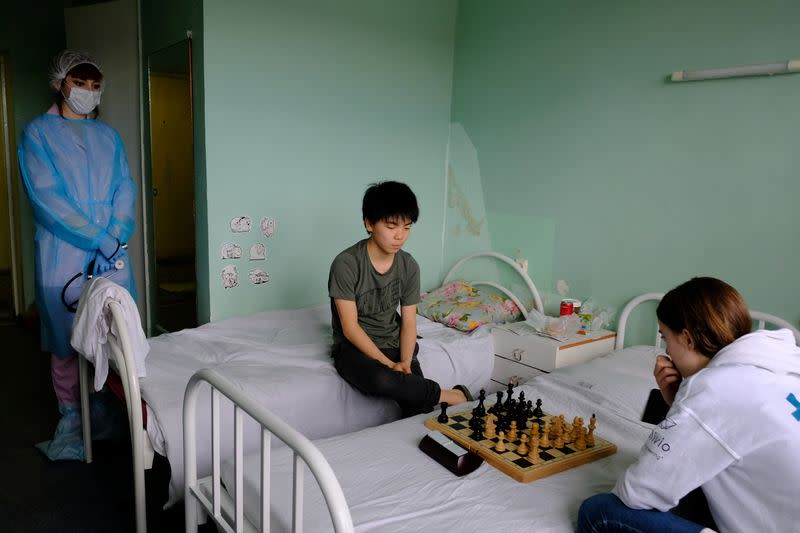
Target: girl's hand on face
667,377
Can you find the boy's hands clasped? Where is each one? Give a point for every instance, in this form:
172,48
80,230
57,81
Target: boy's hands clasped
402,366
667,377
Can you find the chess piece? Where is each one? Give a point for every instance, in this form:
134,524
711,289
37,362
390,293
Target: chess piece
522,449
535,429
481,409
590,435
580,442
545,442
558,442
443,418
577,424
501,444
509,393
533,452
521,397
499,405
477,429
512,432
489,432
537,412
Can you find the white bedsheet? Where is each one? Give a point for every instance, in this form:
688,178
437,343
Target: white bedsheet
281,358
391,486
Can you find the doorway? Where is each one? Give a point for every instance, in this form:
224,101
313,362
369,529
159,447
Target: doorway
10,271
174,293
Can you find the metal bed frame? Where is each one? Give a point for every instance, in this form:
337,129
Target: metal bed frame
207,494
760,318
216,500
123,363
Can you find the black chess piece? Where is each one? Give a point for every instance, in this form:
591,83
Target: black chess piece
538,413
522,396
509,393
443,418
476,424
499,405
481,409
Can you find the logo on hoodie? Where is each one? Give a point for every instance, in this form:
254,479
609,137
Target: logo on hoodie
796,404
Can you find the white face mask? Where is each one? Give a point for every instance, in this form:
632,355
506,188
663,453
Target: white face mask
83,101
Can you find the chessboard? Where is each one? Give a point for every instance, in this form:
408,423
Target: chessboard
557,446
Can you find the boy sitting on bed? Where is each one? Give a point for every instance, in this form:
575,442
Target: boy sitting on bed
374,347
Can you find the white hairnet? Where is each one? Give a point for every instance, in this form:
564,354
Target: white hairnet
66,61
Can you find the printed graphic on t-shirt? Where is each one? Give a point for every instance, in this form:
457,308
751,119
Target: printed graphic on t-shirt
379,300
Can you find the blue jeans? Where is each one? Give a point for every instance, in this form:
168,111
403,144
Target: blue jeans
605,513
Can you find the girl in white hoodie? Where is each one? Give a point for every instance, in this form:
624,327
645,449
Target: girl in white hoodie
733,427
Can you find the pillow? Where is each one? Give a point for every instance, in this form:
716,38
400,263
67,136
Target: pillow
461,306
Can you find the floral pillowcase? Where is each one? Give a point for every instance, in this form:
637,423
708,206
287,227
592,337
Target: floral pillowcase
461,306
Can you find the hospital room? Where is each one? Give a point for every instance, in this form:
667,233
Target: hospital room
594,225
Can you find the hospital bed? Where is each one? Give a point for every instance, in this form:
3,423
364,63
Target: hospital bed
281,360
389,485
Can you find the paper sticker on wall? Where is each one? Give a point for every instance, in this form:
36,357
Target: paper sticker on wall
230,277
230,251
268,227
241,224
258,252
257,276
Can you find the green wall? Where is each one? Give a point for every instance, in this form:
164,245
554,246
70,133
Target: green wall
608,176
31,34
163,24
306,103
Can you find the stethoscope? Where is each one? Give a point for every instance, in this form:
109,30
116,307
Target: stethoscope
119,264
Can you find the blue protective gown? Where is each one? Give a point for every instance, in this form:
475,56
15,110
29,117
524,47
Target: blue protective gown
77,178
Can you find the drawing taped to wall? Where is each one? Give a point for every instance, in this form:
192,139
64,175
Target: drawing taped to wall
268,227
230,277
230,250
241,224
258,252
258,276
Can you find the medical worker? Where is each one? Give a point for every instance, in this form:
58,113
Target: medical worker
76,176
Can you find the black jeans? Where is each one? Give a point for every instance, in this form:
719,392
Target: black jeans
413,392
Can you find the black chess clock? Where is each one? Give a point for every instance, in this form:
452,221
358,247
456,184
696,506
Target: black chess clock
449,454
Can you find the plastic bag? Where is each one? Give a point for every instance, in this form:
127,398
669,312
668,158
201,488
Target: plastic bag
593,317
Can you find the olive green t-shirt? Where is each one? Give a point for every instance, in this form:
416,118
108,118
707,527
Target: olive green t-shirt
353,277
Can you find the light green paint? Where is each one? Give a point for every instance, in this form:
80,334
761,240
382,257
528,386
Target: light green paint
466,227
306,103
643,183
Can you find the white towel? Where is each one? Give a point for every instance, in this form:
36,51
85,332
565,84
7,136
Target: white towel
93,325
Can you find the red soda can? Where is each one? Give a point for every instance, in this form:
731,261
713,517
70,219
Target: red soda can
566,308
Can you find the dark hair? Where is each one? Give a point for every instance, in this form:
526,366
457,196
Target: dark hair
84,71
387,200
713,312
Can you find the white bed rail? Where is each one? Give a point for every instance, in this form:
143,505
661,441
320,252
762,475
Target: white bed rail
196,491
537,299
760,318
122,356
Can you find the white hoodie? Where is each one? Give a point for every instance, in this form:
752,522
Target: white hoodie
734,429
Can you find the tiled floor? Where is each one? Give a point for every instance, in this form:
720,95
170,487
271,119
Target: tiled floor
37,495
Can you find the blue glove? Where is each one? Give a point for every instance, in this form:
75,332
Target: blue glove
101,265
109,246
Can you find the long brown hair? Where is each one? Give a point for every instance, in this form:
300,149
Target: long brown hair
713,312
